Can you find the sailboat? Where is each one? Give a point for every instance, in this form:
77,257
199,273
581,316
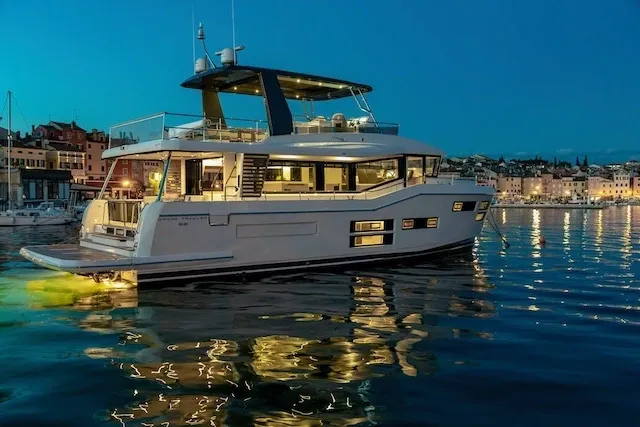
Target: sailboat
44,214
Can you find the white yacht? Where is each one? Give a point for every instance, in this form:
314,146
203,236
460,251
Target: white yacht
46,213
257,196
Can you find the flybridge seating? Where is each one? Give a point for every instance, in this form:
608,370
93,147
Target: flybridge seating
193,127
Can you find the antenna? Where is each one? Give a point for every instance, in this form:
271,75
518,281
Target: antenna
204,46
233,31
193,31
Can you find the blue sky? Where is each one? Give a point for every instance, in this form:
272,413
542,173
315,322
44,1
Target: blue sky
491,76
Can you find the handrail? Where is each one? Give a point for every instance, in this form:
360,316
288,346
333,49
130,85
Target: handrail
227,181
160,126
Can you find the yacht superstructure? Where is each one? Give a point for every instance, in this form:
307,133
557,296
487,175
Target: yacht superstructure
241,196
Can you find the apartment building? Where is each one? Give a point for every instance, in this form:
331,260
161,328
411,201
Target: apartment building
600,187
635,186
551,185
532,187
574,186
23,155
63,156
97,142
622,183
510,186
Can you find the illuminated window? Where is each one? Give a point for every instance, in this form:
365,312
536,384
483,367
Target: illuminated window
480,216
463,206
432,222
419,223
371,240
378,225
484,205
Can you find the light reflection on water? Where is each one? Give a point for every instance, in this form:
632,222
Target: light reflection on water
398,345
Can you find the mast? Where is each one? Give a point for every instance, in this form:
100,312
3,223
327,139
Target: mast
9,149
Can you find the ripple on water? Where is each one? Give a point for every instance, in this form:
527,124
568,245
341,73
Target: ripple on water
549,331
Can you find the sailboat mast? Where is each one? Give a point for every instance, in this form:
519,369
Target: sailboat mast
9,148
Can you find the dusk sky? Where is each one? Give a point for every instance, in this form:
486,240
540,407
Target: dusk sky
469,76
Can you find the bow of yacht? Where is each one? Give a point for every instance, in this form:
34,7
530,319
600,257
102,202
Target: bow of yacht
256,196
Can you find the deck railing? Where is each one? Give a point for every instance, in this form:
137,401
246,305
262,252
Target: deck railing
196,127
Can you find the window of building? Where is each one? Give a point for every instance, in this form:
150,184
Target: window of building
125,171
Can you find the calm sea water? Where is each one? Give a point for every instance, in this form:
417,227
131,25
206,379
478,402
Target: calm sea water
529,336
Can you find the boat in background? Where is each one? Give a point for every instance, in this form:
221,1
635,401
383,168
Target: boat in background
46,213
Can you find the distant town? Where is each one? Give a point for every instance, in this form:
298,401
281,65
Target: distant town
57,158
551,180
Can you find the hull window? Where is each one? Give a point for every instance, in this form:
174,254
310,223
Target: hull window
419,223
480,216
484,205
371,240
463,206
379,225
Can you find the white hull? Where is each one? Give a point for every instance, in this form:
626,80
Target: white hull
20,221
194,240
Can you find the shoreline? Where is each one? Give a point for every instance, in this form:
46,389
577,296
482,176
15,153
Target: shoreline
547,206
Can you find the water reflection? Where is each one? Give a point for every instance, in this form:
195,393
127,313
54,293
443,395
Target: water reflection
535,233
297,352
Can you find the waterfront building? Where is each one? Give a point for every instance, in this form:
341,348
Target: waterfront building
64,156
97,142
635,186
510,186
622,180
532,187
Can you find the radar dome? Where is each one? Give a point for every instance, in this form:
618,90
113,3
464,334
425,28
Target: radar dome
227,56
201,65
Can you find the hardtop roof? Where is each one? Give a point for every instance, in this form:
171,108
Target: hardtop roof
244,79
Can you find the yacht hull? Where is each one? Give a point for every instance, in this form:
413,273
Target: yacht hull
197,240
76,260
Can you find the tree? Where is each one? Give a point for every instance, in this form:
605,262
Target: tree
555,162
501,159
577,161
585,163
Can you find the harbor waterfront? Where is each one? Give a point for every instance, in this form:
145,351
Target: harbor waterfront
539,333
546,206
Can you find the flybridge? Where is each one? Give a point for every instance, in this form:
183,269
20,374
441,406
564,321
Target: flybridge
247,80
276,87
